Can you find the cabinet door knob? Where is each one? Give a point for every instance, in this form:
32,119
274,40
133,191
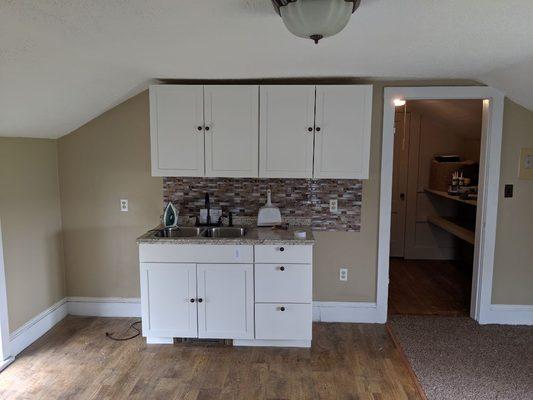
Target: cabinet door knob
282,268
200,300
206,128
199,128
192,300
282,308
317,128
310,129
282,249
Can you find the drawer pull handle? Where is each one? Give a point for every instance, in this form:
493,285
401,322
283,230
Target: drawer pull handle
200,300
282,268
282,308
282,249
192,300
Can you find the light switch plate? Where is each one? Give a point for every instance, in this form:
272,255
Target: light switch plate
525,170
124,205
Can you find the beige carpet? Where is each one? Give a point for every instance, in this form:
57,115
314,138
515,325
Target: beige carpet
455,358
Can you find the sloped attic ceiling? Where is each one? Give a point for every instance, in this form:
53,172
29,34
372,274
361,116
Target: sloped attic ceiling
63,62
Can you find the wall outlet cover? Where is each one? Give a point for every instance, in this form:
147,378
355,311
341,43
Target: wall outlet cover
333,205
343,274
124,205
525,170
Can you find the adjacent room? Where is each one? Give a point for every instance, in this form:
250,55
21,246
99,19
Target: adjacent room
266,199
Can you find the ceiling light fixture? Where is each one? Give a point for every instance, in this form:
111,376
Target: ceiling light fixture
315,19
399,102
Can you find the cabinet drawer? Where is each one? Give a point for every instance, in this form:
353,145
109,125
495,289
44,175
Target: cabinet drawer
295,322
291,283
296,254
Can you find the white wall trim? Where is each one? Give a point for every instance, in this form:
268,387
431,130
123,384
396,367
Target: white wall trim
488,196
509,314
353,312
36,327
4,319
105,306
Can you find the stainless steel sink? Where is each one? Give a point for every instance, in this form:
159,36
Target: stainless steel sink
180,232
225,232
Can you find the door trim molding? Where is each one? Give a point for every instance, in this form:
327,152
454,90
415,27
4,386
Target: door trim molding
488,196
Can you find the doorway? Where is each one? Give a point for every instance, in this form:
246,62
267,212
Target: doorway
487,202
434,202
5,358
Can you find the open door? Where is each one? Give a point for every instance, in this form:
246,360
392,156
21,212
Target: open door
402,123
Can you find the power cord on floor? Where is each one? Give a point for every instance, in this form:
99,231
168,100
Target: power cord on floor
132,326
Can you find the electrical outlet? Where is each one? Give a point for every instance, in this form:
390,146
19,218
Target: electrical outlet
124,205
333,205
508,191
343,274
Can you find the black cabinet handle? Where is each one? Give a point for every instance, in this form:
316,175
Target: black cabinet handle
199,128
310,129
192,300
317,128
282,268
282,249
200,300
206,128
282,308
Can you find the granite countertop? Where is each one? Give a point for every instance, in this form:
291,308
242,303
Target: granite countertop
253,236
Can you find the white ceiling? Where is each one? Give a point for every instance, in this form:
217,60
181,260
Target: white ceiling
63,62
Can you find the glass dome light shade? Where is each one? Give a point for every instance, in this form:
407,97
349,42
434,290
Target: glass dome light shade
316,19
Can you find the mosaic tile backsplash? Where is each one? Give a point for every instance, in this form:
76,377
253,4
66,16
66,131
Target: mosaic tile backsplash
296,198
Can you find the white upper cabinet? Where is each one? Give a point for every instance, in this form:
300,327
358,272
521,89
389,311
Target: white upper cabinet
342,131
231,130
286,131
176,130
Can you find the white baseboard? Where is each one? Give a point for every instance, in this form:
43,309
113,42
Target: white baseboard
104,306
36,327
4,364
272,343
508,314
334,311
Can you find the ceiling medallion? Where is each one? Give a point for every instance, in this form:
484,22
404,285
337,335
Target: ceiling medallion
315,19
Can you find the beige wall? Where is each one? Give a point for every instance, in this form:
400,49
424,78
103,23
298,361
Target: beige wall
108,159
100,163
31,227
513,270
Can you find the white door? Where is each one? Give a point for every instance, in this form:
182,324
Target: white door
400,173
177,130
168,293
342,132
231,130
286,131
225,301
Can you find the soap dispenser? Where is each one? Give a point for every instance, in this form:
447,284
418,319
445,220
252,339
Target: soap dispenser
170,216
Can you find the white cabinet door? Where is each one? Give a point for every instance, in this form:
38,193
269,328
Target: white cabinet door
177,143
166,292
231,130
286,143
342,133
225,301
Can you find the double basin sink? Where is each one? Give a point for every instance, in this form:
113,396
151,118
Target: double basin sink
202,232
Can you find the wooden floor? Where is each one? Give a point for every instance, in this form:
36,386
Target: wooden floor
76,361
421,287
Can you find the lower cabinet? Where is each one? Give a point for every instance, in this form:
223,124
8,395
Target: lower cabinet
256,295
197,300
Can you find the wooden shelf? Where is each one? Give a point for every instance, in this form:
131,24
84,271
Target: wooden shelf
455,227
450,197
